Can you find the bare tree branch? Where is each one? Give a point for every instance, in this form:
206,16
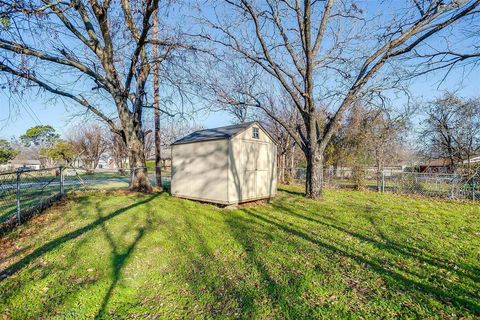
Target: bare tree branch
79,99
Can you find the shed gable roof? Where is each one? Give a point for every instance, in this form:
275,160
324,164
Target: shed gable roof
214,133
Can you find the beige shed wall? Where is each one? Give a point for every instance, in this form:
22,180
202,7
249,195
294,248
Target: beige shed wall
252,170
199,170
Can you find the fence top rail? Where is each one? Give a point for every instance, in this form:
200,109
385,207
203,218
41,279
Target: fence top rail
433,173
7,173
26,170
439,174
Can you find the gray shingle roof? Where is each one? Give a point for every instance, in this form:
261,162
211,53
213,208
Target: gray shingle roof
214,134
25,162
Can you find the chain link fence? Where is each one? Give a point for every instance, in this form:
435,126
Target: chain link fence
8,195
25,192
441,185
452,186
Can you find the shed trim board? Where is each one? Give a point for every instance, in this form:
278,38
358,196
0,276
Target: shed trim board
246,126
228,166
227,203
249,163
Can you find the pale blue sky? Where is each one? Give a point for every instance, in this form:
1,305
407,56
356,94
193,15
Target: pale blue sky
17,116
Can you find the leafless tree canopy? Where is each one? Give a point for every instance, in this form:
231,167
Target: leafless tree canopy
452,129
117,148
314,58
370,137
326,55
94,53
90,143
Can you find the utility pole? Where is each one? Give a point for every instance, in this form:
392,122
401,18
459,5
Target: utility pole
156,103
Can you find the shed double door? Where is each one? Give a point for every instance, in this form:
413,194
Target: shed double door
256,175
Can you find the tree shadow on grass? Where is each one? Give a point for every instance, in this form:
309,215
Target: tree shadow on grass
225,286
118,259
282,296
215,295
463,299
53,244
389,244
465,270
295,193
14,254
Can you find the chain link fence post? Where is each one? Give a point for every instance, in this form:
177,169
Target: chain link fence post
132,174
383,181
19,209
62,181
379,181
474,187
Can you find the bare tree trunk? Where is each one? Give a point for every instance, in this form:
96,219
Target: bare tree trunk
267,26
314,178
133,138
158,151
156,105
279,168
379,155
136,156
292,163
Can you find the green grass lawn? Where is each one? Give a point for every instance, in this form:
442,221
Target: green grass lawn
353,254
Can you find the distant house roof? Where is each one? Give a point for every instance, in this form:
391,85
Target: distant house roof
25,162
214,134
165,152
436,163
444,162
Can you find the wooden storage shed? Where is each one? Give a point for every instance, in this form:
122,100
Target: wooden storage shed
227,165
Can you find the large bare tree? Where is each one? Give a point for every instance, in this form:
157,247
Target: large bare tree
90,142
118,150
326,55
156,106
451,130
94,53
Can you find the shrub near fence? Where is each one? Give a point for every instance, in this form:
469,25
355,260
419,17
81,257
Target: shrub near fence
452,186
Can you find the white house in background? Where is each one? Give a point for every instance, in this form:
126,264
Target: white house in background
32,164
27,159
106,162
227,165
473,160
